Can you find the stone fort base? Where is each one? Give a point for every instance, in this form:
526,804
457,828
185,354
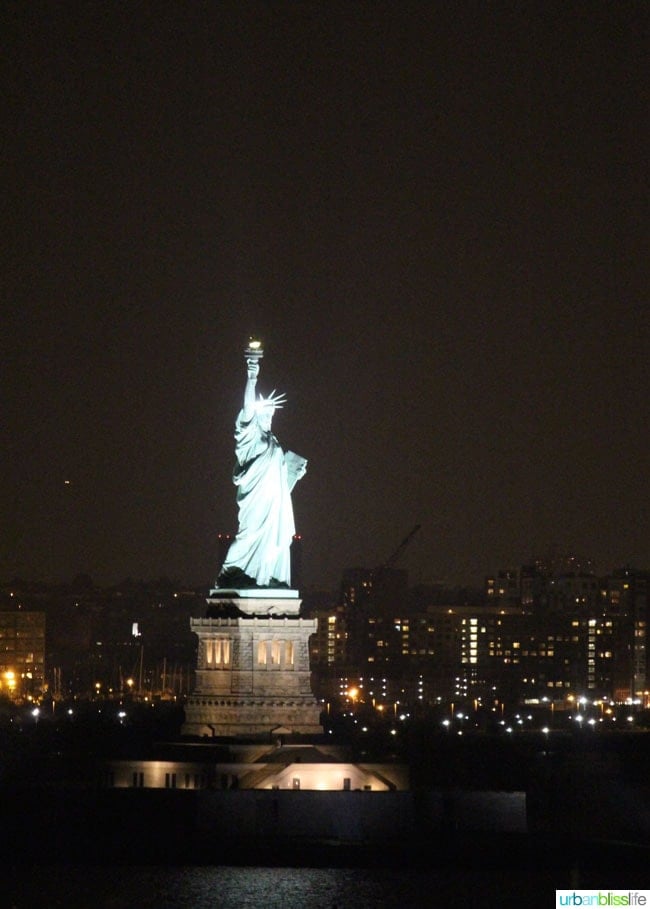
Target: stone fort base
259,719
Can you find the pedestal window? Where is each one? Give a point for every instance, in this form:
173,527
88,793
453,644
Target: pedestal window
218,652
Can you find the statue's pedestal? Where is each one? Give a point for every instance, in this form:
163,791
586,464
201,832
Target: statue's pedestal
252,674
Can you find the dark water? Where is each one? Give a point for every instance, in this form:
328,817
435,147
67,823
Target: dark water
269,888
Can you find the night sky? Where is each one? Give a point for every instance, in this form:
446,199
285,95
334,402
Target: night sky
433,214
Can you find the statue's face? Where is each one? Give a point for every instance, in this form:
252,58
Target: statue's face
265,418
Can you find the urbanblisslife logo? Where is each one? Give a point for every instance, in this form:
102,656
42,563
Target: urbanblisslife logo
586,898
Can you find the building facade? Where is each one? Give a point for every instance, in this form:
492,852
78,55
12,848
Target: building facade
22,654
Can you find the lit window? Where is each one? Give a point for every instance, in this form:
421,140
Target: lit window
217,652
225,651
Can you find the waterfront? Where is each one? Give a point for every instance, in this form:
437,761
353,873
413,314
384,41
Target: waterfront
195,887
497,874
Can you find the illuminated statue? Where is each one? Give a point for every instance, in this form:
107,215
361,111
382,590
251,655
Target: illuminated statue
264,476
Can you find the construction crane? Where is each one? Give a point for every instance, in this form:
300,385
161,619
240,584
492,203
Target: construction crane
392,559
382,582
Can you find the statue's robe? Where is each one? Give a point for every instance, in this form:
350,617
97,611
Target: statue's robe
266,524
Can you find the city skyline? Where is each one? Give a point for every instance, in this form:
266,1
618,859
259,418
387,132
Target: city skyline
431,217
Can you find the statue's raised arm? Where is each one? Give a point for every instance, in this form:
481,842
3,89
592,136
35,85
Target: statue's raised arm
253,370
264,476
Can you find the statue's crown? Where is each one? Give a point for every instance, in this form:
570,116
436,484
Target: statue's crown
272,402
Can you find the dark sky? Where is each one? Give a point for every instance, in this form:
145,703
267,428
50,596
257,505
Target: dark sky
434,214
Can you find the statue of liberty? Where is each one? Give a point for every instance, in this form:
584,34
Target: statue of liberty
264,476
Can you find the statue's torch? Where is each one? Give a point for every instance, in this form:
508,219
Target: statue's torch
254,351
